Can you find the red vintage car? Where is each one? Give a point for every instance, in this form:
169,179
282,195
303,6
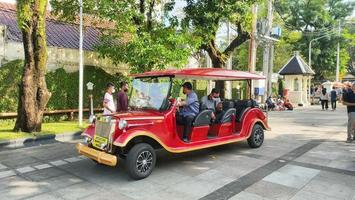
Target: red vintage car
151,122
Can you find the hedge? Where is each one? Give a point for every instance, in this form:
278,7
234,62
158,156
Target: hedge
63,86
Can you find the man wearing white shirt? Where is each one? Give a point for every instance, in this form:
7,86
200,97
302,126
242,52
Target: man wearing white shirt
108,103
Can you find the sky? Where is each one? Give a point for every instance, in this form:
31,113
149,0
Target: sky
8,1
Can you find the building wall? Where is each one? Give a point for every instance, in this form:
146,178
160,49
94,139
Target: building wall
58,57
298,94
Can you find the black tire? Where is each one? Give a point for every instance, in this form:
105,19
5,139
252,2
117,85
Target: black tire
140,161
256,138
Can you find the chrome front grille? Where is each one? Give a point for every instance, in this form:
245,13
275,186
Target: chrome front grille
104,129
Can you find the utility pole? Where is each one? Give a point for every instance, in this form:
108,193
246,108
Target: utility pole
228,93
270,69
253,45
266,55
81,66
338,52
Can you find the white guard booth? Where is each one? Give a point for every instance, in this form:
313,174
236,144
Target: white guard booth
297,75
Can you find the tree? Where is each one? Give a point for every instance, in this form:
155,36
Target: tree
313,19
349,35
142,34
204,17
31,15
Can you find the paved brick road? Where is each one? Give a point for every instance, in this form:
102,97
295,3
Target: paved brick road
303,157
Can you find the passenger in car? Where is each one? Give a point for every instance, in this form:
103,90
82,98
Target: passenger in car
210,101
219,113
189,111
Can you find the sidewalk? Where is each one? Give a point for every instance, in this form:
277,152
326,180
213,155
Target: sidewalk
40,140
304,157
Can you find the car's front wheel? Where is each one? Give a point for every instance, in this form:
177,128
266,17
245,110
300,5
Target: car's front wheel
140,161
256,138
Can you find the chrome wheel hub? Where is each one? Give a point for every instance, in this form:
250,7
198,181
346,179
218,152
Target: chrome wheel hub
144,161
258,136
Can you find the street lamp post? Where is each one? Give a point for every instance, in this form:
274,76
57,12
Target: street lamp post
81,67
338,54
310,47
90,87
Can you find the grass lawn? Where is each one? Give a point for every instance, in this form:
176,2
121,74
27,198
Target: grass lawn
6,132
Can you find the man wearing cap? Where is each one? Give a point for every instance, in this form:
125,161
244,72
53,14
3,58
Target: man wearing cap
189,111
349,100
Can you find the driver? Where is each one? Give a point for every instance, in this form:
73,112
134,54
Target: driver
189,111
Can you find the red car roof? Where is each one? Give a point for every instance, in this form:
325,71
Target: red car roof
203,73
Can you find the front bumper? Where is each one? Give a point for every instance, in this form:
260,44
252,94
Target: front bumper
99,156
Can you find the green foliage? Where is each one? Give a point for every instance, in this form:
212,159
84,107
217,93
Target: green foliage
138,37
314,19
63,86
349,36
24,13
204,17
10,77
240,57
154,50
6,130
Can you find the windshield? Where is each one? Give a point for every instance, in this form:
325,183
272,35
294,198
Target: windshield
149,93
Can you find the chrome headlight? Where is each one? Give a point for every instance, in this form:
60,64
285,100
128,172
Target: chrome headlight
122,124
92,119
87,140
103,146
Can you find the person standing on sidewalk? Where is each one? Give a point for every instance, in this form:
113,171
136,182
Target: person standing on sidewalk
333,98
324,97
108,104
348,99
122,98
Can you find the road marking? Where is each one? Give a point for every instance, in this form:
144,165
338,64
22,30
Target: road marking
73,159
240,184
58,162
2,166
26,169
8,173
23,170
43,166
324,168
82,157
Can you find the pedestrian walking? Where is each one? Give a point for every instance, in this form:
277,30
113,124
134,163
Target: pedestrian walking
348,99
122,98
324,97
333,98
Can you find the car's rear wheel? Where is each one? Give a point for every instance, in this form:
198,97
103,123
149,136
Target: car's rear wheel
256,138
140,161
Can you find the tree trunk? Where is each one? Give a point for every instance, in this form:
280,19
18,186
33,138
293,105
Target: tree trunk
219,59
33,92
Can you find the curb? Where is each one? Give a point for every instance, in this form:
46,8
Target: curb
37,141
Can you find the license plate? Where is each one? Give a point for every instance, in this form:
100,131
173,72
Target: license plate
98,141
